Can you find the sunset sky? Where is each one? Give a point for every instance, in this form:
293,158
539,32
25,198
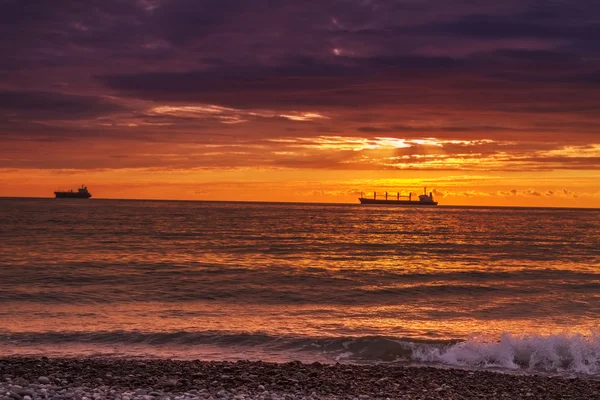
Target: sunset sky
484,102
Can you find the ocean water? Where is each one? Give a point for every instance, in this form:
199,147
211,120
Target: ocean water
505,288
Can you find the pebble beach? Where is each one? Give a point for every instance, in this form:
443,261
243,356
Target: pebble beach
131,379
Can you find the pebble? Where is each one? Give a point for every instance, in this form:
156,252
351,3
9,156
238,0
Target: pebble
77,379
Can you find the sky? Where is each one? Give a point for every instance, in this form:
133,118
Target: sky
482,102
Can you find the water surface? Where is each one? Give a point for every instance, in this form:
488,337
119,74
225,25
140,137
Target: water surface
507,287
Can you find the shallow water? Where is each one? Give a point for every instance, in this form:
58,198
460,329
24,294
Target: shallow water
510,287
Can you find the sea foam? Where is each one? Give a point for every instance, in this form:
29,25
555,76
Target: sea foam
560,353
568,353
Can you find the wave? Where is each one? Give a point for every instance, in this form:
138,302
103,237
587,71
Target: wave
351,288
369,348
561,353
570,353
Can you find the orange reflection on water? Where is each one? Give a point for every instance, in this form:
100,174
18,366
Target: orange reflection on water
294,321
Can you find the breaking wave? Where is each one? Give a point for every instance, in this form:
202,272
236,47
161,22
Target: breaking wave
562,353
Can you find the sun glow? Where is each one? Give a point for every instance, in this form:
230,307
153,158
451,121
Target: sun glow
190,110
376,143
229,115
309,116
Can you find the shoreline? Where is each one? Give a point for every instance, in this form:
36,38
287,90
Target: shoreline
31,378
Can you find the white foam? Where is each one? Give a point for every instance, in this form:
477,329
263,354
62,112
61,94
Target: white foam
344,356
573,353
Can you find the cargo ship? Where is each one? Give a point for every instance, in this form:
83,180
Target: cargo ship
81,193
399,200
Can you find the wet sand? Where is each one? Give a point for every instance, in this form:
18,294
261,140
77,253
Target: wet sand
43,378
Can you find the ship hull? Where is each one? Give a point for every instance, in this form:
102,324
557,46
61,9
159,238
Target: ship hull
384,202
72,195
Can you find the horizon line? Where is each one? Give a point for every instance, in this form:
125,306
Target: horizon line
302,202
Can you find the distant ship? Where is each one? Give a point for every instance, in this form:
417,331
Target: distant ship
81,193
398,200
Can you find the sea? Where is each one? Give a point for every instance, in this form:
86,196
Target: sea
509,289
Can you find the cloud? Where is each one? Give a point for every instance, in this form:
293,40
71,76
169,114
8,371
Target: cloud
353,83
53,105
229,115
349,84
214,149
557,192
288,86
520,25
520,193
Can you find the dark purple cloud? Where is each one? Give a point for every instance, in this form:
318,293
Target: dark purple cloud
518,70
51,105
530,24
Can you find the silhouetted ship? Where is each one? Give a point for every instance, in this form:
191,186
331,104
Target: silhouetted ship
81,193
399,200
